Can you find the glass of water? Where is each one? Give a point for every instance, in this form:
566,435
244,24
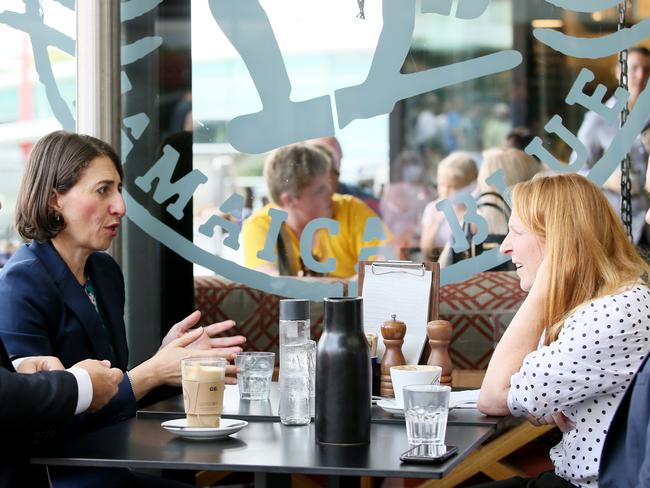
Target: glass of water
255,370
426,408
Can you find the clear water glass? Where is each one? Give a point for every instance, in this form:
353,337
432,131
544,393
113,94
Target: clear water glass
255,370
426,408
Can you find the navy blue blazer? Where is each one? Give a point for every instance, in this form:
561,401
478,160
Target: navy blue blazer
45,312
30,403
626,453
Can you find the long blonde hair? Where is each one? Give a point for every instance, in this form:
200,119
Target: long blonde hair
587,249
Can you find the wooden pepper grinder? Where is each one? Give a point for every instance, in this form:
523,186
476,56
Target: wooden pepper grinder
393,332
439,334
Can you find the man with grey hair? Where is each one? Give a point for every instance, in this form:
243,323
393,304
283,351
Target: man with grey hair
298,179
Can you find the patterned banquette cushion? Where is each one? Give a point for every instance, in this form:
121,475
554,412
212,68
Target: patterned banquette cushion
478,309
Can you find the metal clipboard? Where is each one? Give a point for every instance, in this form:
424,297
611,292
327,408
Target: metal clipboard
381,268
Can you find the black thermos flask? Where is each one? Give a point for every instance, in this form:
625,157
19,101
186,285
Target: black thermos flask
343,375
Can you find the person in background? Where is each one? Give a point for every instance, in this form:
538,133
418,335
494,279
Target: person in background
497,126
456,174
332,147
519,138
572,349
430,128
299,182
517,166
403,201
62,296
597,135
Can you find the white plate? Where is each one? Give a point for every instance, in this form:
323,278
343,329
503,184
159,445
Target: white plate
460,399
390,406
227,426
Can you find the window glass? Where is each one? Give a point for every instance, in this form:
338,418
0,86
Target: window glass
400,87
37,91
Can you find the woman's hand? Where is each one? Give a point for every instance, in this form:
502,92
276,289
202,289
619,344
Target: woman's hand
164,368
560,420
227,346
35,364
181,328
168,359
542,278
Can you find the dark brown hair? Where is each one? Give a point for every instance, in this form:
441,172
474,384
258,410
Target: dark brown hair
639,50
55,163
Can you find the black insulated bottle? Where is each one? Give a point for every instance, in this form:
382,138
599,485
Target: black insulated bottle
343,375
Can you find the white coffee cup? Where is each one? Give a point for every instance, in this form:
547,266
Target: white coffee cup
412,374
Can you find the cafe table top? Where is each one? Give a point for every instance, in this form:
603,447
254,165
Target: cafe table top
233,407
261,447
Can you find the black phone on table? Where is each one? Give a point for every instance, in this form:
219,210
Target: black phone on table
427,453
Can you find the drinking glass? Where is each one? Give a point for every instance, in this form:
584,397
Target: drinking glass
426,408
254,373
203,381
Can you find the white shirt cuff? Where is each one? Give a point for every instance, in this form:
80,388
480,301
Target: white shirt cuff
16,362
85,387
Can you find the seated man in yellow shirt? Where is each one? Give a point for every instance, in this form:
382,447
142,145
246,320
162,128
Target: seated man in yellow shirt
298,179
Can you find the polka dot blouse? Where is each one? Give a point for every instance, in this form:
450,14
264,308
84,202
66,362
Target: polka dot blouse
584,374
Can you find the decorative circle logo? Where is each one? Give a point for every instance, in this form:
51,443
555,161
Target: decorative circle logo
382,88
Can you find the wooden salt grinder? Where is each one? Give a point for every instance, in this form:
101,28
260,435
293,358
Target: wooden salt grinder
393,332
439,334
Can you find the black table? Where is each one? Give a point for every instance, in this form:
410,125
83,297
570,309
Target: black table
262,447
266,447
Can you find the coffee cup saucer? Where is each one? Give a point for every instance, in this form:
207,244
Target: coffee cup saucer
226,427
390,405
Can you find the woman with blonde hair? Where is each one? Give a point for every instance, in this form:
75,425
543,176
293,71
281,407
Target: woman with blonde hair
574,345
517,166
456,173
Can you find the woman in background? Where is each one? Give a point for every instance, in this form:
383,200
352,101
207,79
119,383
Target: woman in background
403,201
517,166
456,174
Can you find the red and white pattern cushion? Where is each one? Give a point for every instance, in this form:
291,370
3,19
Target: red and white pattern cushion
479,309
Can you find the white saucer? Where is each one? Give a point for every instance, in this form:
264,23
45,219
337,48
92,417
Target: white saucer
227,426
390,406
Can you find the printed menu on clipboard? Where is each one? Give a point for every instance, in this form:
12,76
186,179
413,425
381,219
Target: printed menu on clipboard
405,289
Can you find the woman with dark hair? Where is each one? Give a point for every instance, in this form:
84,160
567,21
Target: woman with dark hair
60,295
574,345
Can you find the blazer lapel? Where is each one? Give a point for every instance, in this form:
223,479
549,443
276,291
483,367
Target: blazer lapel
75,298
110,298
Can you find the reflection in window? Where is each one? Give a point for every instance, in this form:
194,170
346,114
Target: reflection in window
25,107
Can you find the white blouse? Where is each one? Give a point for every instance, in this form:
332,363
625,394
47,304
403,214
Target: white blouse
584,374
